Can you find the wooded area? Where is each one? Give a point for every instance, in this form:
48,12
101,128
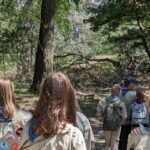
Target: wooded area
92,40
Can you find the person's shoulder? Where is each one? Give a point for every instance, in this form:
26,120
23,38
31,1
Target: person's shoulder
22,116
70,129
108,97
77,139
71,137
105,100
131,93
83,122
23,113
81,116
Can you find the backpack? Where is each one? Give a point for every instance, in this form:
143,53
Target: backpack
139,114
112,118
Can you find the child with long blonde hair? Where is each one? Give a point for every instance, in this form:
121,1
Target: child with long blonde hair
12,119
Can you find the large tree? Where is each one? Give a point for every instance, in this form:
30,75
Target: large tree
44,54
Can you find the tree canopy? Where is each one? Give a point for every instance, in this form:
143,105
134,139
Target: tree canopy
127,22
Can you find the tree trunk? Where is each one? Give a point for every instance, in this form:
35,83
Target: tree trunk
44,54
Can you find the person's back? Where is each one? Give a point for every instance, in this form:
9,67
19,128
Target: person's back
114,113
84,125
140,134
54,121
16,123
11,129
12,120
128,96
139,110
70,139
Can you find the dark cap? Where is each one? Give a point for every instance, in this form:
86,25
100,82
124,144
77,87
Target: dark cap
129,80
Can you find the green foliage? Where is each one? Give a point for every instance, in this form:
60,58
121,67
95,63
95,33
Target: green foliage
126,23
6,64
19,29
119,26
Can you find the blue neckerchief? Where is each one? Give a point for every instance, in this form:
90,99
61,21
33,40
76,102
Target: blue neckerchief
124,91
113,98
32,134
3,117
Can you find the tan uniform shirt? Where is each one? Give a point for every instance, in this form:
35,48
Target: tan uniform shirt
128,99
19,120
11,129
84,125
70,139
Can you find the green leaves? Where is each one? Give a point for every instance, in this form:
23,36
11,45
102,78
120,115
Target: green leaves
124,21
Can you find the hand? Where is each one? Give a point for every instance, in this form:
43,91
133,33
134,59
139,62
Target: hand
136,132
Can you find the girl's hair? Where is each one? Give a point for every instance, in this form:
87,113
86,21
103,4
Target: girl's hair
140,93
7,98
56,105
116,89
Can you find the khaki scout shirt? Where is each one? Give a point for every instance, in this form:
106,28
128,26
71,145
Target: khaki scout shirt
70,139
19,120
84,125
10,130
128,99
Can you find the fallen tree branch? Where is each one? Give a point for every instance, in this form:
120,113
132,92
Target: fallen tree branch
76,62
68,54
116,63
89,62
84,60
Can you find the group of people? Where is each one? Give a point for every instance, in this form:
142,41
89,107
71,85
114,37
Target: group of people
58,124
125,116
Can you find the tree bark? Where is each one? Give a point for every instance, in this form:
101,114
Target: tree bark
44,54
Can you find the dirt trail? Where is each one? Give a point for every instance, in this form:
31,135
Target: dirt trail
89,109
98,133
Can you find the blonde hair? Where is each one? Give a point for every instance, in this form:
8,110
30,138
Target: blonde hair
7,98
116,89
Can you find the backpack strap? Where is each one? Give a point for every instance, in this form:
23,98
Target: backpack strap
107,102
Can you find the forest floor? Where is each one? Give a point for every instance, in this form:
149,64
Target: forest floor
89,109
